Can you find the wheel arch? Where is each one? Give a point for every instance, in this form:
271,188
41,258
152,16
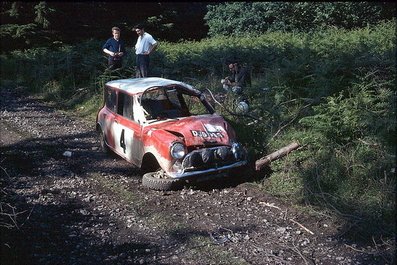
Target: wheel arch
149,163
98,127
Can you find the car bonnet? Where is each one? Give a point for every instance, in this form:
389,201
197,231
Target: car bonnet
200,130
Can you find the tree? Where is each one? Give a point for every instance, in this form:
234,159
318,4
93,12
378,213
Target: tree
33,24
236,18
42,11
23,23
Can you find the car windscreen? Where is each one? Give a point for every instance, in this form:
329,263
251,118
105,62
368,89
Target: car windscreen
171,102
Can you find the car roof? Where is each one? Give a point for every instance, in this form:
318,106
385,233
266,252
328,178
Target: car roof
140,85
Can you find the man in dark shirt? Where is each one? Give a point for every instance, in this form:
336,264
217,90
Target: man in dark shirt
238,79
237,82
115,48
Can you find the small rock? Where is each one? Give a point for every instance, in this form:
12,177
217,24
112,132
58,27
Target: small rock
67,154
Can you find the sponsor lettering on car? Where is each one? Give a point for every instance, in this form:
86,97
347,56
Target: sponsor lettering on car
204,134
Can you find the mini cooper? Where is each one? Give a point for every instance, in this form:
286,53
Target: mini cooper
169,130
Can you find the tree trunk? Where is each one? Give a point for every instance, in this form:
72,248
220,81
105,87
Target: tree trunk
260,163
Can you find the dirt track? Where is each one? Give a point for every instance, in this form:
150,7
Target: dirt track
92,209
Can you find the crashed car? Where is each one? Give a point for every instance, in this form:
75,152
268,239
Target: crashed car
168,129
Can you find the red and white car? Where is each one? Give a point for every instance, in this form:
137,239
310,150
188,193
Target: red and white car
169,130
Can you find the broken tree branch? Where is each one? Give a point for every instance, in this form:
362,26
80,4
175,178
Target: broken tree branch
302,226
260,163
288,123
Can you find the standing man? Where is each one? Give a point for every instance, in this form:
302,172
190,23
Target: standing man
144,46
115,48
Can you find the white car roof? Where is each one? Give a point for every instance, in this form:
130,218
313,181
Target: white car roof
139,85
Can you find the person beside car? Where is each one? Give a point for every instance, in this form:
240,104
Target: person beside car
238,78
144,46
237,83
115,48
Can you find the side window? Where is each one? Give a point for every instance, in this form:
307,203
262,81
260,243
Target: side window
110,98
127,108
173,97
124,106
120,103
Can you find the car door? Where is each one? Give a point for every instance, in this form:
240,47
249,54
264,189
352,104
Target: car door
108,114
126,132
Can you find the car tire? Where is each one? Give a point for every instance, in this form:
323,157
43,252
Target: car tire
104,147
152,180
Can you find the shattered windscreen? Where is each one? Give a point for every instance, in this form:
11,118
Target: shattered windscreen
171,102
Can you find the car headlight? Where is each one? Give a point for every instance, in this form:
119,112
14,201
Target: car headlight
238,151
178,150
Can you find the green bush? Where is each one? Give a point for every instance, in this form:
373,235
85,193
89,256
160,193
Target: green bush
240,18
349,157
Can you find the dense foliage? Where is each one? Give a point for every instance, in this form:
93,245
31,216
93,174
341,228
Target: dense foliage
237,18
333,90
38,24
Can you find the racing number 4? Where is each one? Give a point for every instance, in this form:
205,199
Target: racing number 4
122,141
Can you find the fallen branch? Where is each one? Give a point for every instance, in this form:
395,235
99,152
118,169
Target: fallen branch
361,251
270,205
288,123
260,163
307,230
296,250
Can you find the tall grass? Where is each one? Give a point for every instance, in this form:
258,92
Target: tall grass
348,163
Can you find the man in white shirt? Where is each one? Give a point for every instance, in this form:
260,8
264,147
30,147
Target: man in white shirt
144,46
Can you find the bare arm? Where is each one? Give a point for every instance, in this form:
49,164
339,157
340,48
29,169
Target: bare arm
152,48
113,53
108,52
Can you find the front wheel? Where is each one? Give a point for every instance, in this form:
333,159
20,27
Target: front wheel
158,180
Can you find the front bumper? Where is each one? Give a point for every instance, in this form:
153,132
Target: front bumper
205,172
209,161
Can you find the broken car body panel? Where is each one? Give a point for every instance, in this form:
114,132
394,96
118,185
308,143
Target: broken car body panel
170,121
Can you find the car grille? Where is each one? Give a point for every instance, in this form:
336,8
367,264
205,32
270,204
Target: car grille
208,158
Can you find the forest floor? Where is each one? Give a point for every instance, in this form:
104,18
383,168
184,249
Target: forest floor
89,208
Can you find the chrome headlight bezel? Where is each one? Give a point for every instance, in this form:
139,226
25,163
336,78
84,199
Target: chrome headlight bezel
178,150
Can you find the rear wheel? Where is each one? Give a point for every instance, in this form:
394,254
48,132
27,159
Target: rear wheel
158,180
